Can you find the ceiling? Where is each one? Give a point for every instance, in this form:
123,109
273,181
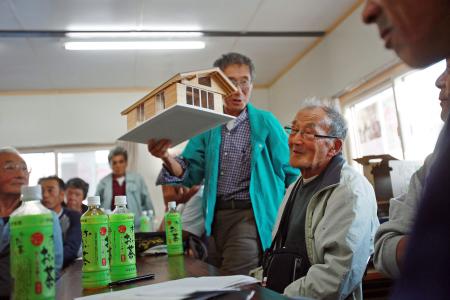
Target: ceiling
30,63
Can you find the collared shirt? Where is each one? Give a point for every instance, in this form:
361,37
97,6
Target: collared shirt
234,161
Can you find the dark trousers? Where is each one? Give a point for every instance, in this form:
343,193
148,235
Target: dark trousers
234,245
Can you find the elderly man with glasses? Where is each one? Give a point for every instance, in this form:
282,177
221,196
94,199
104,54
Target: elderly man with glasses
13,174
325,228
245,168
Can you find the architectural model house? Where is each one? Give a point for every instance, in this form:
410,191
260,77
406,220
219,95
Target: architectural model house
205,89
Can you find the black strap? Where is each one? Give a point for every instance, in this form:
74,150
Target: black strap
280,236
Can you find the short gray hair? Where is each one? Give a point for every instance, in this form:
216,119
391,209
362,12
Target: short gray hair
337,123
234,58
9,149
117,151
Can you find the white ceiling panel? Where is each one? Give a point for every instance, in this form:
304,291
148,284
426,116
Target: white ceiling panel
43,63
271,55
298,15
7,19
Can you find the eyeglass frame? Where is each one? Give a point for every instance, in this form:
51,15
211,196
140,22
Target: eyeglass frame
289,130
14,167
242,83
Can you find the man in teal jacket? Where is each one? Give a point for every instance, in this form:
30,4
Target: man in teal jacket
245,168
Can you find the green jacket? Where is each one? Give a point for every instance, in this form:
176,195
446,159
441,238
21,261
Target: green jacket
270,169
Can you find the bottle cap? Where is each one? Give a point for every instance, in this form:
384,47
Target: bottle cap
120,200
172,204
150,213
33,192
144,212
93,200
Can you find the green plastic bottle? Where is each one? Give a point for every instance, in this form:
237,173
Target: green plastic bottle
144,222
32,249
122,247
94,236
174,238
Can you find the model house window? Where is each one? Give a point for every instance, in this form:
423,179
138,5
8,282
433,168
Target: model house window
189,95
160,104
196,97
206,81
140,113
199,98
211,101
400,116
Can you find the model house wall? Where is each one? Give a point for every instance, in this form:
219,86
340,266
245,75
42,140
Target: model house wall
205,89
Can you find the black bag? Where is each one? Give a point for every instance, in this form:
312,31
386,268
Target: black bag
282,265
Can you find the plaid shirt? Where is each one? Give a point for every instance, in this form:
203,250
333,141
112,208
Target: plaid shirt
234,162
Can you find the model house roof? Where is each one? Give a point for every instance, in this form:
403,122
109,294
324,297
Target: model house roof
215,74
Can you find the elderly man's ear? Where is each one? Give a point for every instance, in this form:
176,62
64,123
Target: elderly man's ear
335,148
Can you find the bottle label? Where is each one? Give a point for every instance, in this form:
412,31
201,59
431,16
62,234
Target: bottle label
94,236
32,257
122,246
145,224
174,238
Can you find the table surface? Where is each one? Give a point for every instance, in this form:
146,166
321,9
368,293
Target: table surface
165,269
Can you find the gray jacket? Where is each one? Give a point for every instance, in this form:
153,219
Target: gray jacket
138,198
341,221
402,211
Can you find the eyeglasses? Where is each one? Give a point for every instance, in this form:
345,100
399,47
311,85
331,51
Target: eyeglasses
309,136
14,167
242,83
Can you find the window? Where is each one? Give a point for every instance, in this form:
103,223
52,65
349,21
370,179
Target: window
399,116
200,98
140,113
206,81
160,102
89,164
189,95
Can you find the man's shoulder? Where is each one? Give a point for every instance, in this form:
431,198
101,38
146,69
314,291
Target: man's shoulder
71,214
354,181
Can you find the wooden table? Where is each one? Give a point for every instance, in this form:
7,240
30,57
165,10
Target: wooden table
165,268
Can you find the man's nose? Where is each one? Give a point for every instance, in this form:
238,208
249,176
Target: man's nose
370,12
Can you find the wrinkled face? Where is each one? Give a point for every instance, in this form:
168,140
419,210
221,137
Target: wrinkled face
443,83
236,102
52,195
418,30
310,156
118,165
74,198
13,173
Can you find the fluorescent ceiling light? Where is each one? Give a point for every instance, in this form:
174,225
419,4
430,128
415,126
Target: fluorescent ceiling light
135,45
134,34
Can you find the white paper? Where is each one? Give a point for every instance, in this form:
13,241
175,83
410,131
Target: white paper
177,123
401,172
176,289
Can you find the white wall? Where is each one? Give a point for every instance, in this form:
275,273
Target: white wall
81,118
351,52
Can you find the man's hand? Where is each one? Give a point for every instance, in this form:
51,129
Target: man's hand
401,249
159,148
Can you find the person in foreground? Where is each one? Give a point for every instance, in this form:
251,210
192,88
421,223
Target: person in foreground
245,170
419,32
392,236
328,218
13,174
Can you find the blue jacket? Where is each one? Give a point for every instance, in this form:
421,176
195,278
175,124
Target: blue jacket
71,231
270,169
138,198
